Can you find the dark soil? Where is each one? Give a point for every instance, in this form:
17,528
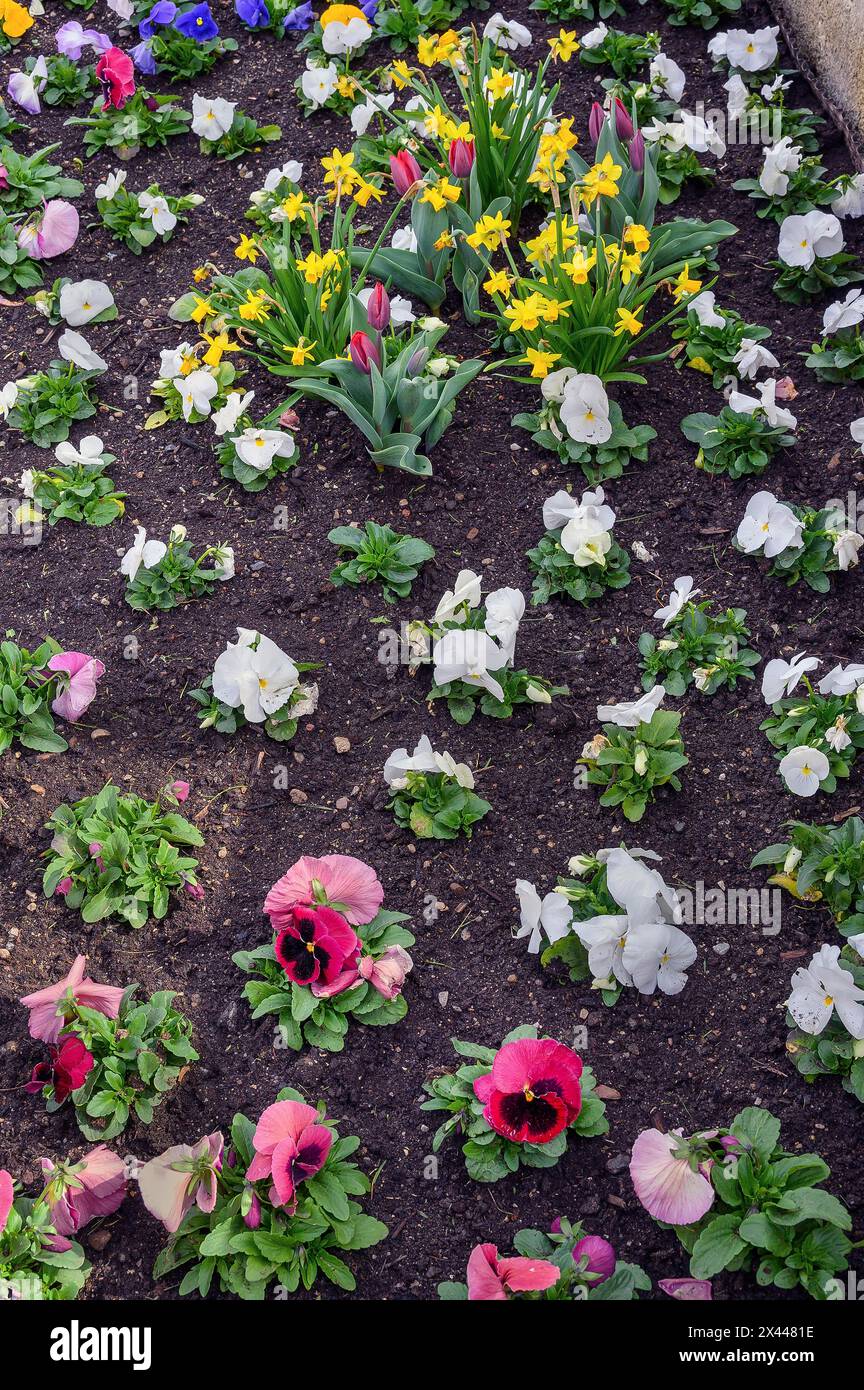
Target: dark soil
689,1061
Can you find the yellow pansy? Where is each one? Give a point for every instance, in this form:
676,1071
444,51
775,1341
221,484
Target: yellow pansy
540,361
346,86
247,249
15,19
490,232
627,323
340,14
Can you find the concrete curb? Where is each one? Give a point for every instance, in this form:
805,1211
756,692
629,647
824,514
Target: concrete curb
826,39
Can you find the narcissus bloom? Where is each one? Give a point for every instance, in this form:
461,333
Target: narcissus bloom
671,1181
182,1176
823,987
291,1146
76,1193
76,687
337,880
47,1014
491,1278
316,947
532,1092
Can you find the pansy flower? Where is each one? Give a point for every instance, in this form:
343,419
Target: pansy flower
532,1093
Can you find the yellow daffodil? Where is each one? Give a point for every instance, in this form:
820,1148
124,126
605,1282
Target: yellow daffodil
525,313
540,361
499,84
499,282
247,249
498,132
400,73
203,309
555,309
627,323
201,272
579,268
490,232
219,344
366,190
685,286
637,236
564,45
337,167
437,48
293,206
254,309
563,137
439,194
444,242
601,180
300,352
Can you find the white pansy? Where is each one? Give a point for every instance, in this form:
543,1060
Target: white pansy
318,84
504,612
212,117
363,113
457,772
257,448
664,74
846,547
255,674
74,347
781,160
142,552
155,207
82,300
682,592
737,96
26,483
553,385
657,956
470,656
750,52
628,714
778,416
171,361
404,239
196,391
223,562
226,419
780,677
856,429
88,452
752,357
401,762
595,36
769,526
292,170
851,203
107,190
823,987
804,236
803,770
702,308
584,409
844,313
836,737
506,33
339,37
842,680
549,917
465,591
8,398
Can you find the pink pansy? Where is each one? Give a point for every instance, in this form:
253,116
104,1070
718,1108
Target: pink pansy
180,790
7,1197
600,1256
490,1279
52,232
64,887
78,1192
78,690
46,1019
668,1186
181,1176
688,1290
387,973
340,880
290,1147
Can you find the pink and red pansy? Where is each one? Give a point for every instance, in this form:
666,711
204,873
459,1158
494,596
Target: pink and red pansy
532,1092
291,1146
492,1278
76,1193
317,947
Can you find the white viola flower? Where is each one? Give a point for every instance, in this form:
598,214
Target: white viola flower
778,416
460,773
171,361
682,592
595,36
769,90
851,203
363,113
223,562
401,310
505,609
751,52
236,404
8,398
604,938
506,33
751,357
769,526
142,552
804,769
780,677
74,347
842,680
292,170
404,239
640,891
586,541
553,385
550,917
155,207
584,410
255,674
737,95
657,956
846,547
856,429
196,391
107,190
844,313
401,762
702,307
26,483
340,37
258,448
318,84
562,507
823,987
82,300
628,714
88,452
465,591
468,655
691,131
804,236
666,76
836,737
717,46
212,117
781,160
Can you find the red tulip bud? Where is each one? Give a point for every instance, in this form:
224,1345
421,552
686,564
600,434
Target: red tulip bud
637,151
623,123
363,352
405,170
461,156
596,121
378,309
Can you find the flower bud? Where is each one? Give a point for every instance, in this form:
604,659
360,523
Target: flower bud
405,171
180,790
640,762
363,352
792,860
253,1215
378,308
461,157
637,152
623,124
596,121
